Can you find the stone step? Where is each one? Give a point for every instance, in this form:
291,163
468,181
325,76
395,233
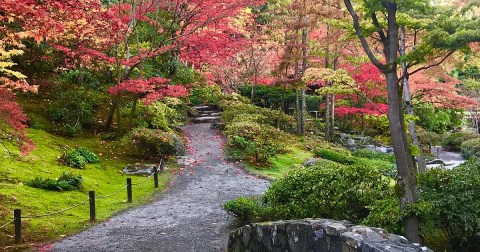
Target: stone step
211,113
202,108
206,119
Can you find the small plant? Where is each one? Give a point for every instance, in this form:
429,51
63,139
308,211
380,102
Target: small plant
335,156
80,157
453,141
66,182
153,143
471,148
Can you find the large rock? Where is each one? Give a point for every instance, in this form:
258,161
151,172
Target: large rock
316,236
139,169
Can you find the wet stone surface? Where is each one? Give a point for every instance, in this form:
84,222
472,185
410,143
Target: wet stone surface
188,216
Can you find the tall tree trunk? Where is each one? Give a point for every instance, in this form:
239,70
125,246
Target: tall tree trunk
297,103
332,105
422,166
407,177
303,105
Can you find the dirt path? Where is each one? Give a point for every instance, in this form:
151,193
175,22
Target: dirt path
189,216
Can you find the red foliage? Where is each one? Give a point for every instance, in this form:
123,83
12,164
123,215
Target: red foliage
151,89
442,93
14,121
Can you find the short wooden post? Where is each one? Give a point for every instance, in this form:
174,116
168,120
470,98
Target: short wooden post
91,196
155,177
17,214
129,190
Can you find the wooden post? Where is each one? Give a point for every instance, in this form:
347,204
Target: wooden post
91,196
155,177
17,214
129,190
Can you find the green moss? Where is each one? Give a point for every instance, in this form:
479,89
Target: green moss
280,165
104,178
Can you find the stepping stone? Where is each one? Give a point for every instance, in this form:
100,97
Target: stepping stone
206,119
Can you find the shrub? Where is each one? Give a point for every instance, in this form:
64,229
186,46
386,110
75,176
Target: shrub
90,157
370,154
428,138
79,157
328,190
164,115
254,140
153,143
75,159
454,141
471,148
454,199
66,182
246,209
335,156
204,95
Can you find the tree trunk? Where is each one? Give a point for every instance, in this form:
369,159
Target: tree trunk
303,105
406,178
111,112
422,166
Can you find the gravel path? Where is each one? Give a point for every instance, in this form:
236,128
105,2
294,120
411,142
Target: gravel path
189,216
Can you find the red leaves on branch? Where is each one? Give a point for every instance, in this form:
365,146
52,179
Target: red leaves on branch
151,89
440,91
14,120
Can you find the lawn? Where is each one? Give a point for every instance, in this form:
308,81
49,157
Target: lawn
104,178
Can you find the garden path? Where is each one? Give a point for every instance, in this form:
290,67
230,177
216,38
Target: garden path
188,216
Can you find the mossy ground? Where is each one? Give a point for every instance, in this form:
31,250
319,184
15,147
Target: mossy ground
104,178
281,164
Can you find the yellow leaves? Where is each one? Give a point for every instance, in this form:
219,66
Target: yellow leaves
339,80
5,63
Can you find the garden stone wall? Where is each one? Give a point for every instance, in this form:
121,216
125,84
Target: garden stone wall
316,235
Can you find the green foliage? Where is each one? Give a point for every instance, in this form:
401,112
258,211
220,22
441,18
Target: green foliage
328,190
204,95
247,139
66,182
247,209
242,112
438,120
90,157
454,141
79,157
428,138
75,159
370,154
151,143
381,162
335,156
386,213
80,77
471,148
164,115
73,108
454,199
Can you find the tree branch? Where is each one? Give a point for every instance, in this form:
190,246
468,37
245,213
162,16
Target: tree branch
361,36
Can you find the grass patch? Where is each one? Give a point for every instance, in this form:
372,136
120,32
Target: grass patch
103,177
281,164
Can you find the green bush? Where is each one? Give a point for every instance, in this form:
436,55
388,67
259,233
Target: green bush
163,115
471,148
328,190
79,157
370,154
75,159
428,138
246,209
66,182
73,108
204,95
151,143
454,141
335,156
254,140
454,199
